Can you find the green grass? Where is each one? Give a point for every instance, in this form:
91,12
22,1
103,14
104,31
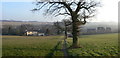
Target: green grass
96,45
92,45
0,46
30,45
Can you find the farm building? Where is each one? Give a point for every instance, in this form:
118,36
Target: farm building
34,33
31,33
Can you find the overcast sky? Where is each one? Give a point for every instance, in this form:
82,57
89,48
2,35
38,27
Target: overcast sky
20,10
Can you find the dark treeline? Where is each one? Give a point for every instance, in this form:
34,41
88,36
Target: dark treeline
21,29
57,28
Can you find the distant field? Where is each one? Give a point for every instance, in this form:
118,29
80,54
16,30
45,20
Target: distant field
92,45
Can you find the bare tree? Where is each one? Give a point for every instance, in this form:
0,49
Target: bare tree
58,27
78,10
67,22
47,32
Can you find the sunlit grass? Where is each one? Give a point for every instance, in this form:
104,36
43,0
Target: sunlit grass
92,45
29,45
96,45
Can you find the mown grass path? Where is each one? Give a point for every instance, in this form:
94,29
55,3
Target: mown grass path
54,49
64,48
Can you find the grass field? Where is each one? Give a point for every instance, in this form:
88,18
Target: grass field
92,45
96,45
31,45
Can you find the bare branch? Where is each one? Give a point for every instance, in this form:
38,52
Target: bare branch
78,7
62,14
51,7
64,8
67,22
57,8
35,9
90,5
66,5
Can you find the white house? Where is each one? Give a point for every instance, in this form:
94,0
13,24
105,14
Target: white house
31,33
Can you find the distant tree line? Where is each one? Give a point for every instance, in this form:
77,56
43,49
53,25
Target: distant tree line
21,29
57,28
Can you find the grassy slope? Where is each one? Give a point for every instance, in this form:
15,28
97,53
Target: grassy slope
96,45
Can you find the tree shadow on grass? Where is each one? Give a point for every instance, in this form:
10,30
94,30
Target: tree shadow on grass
66,49
51,54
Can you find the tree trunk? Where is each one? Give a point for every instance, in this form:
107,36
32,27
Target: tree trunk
75,31
65,32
